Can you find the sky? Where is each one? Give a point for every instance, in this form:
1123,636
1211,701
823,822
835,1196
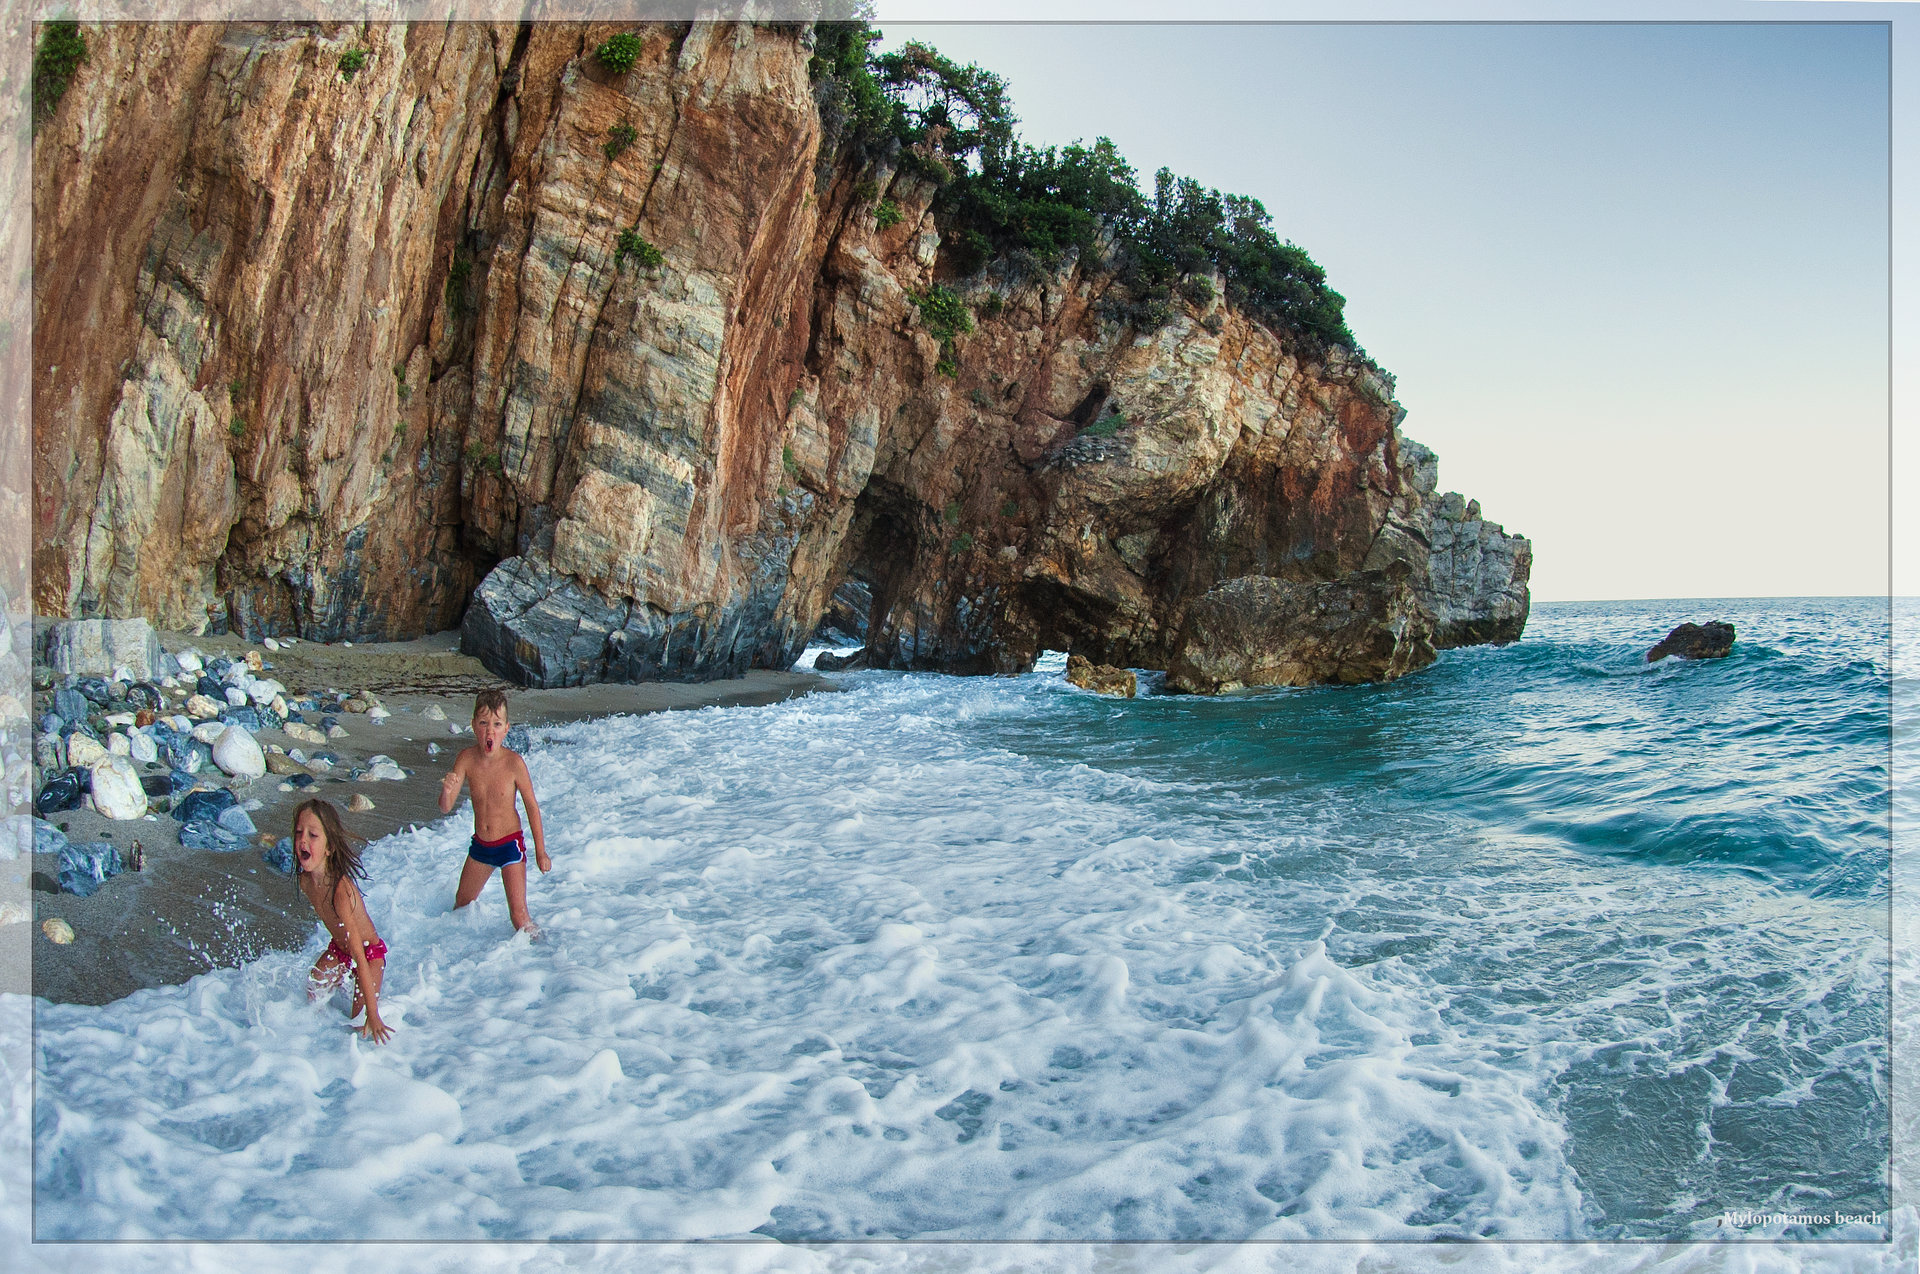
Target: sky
1632,277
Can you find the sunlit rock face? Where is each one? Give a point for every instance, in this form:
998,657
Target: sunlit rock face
620,373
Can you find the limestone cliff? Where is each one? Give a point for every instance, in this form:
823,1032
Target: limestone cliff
320,353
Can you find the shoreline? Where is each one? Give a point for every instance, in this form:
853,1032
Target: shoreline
193,910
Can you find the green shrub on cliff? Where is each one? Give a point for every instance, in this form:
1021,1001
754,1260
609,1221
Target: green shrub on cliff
620,53
1000,197
632,245
619,137
887,214
352,62
946,317
62,51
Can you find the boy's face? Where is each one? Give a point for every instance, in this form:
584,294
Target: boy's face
489,729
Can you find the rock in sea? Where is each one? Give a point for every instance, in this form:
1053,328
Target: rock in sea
1101,678
117,793
1689,641
239,754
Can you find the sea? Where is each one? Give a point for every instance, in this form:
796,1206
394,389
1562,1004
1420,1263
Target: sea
1543,950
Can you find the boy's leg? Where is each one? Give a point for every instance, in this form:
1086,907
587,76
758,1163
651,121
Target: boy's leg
472,877
514,877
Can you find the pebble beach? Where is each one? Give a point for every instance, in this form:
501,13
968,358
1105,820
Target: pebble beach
372,726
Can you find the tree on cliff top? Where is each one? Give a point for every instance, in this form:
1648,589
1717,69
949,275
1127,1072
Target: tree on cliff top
1000,196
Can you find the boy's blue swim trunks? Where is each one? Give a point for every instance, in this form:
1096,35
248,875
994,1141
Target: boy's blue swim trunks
499,853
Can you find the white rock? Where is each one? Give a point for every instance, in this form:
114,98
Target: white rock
319,765
286,787
119,745
189,661
435,712
239,754
297,754
305,733
359,804
454,727
262,692
117,792
202,708
103,647
347,644
236,696
271,644
142,747
120,718
384,768
180,724
12,913
280,706
337,732
209,731
84,751
123,673
377,714
58,931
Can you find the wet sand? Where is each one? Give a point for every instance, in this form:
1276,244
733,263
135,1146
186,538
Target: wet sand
191,910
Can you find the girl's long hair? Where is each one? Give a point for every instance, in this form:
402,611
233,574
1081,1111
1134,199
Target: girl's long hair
343,847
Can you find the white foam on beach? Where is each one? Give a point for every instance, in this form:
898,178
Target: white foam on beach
825,969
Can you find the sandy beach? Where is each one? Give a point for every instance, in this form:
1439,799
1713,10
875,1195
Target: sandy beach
191,910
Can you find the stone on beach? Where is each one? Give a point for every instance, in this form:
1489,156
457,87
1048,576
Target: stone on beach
142,747
119,745
201,708
84,750
434,712
304,733
360,804
98,647
117,793
383,768
281,764
208,731
189,661
238,753
58,931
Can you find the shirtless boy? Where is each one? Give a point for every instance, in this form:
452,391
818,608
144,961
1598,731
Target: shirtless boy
497,775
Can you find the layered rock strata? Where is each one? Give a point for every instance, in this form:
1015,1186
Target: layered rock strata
319,354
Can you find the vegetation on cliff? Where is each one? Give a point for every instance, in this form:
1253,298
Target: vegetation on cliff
1000,196
62,51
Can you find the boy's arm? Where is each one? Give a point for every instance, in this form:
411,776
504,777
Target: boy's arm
450,785
375,1030
523,782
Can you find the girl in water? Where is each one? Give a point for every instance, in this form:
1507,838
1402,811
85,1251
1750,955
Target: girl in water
327,863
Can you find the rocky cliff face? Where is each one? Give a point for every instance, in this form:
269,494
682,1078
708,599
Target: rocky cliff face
320,355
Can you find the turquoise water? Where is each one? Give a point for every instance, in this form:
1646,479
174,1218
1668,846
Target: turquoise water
1539,943
1660,892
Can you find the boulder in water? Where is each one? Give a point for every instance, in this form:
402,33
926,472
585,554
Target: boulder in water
1261,631
827,661
1101,678
1696,641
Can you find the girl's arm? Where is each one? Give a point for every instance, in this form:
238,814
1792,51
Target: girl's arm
376,1031
524,782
